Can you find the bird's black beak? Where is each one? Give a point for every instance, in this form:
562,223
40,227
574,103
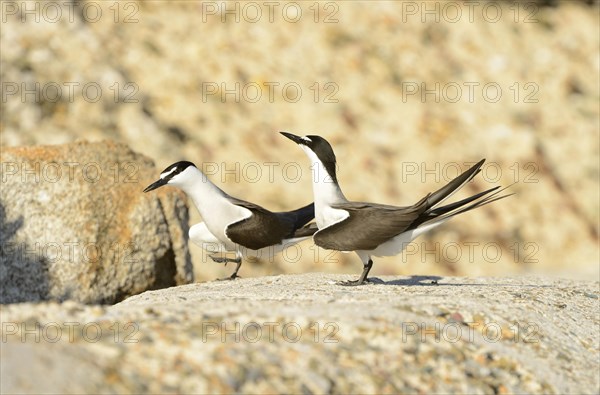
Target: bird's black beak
155,185
294,138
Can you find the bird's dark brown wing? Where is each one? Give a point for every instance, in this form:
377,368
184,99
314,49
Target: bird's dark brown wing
368,225
262,229
265,228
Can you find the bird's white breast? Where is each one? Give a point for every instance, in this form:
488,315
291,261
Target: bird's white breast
218,214
326,215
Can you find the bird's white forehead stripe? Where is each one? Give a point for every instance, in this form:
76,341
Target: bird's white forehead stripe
163,175
306,139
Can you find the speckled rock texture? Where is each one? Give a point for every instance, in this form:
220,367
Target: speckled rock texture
408,93
306,334
76,225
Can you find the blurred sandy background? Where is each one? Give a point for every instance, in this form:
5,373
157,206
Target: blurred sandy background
517,83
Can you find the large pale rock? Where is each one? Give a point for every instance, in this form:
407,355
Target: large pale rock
305,334
76,225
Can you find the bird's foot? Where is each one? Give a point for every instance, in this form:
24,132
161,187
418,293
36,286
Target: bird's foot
225,260
232,277
354,283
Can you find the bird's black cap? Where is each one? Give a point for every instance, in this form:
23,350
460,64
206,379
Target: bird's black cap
168,173
320,147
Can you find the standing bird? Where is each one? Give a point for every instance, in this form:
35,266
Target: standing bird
372,229
234,225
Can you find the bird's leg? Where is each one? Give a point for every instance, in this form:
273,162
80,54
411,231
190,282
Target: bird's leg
238,262
363,277
366,269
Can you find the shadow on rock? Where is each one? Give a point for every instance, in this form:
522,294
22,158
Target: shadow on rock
412,280
435,281
23,270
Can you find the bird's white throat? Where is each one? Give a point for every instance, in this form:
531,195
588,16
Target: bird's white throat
326,192
199,188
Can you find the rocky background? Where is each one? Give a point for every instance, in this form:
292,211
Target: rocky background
407,93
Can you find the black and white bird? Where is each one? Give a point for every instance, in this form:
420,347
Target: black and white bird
234,225
371,229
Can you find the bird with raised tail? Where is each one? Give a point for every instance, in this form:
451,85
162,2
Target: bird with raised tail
234,225
371,229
